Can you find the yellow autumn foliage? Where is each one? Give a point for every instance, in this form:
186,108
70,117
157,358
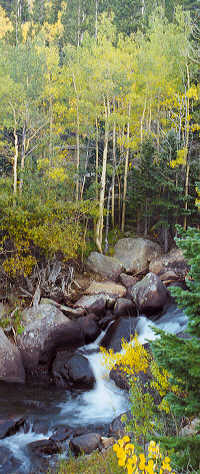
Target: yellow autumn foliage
5,24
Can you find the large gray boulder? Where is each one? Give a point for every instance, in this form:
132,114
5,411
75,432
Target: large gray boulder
85,443
72,371
124,307
172,263
136,254
108,267
93,303
11,366
122,328
149,294
48,331
106,287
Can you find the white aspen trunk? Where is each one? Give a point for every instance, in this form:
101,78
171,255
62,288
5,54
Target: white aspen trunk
97,158
142,121
77,137
96,18
99,227
23,157
187,111
113,173
126,172
77,157
79,23
51,132
15,161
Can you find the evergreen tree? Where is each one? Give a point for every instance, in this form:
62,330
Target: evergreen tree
181,357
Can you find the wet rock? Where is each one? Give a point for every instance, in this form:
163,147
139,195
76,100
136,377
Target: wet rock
93,304
136,254
128,280
85,443
174,262
108,267
106,287
48,332
11,365
72,371
168,276
103,323
118,427
122,328
61,434
44,447
10,427
89,327
150,295
124,307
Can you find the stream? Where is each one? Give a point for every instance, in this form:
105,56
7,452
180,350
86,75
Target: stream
47,407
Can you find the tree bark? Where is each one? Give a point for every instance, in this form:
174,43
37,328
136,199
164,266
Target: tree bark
99,227
113,173
23,157
126,171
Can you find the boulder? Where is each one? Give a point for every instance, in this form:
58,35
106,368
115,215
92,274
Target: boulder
168,276
72,371
136,254
103,323
128,280
11,426
93,304
191,429
124,307
48,331
44,447
89,327
150,295
108,267
107,442
70,312
11,365
61,433
174,262
85,443
118,426
106,287
122,328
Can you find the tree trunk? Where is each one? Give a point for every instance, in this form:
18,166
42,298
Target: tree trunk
113,173
99,227
23,157
187,128
96,18
97,158
106,248
77,138
141,123
15,161
126,172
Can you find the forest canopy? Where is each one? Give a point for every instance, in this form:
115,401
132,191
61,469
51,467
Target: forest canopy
99,124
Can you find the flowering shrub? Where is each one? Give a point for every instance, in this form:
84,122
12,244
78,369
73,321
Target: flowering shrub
134,358
153,463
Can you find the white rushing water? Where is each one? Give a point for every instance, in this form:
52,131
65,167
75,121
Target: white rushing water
97,406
